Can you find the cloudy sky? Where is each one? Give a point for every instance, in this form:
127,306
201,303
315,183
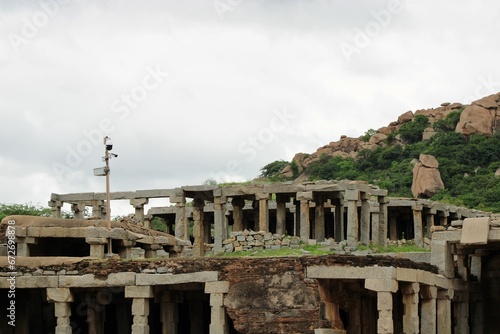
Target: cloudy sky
198,90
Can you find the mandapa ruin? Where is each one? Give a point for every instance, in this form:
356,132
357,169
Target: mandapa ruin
60,280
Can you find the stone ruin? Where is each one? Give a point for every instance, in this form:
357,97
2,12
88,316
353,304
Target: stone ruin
164,283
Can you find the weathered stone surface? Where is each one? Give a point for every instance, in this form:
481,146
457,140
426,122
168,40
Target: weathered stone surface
476,119
406,117
475,231
426,180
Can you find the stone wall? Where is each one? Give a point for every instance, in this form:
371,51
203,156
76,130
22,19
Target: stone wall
252,241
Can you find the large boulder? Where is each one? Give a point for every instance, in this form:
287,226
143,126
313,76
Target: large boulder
480,117
426,177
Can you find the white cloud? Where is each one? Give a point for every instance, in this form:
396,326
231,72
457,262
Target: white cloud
225,79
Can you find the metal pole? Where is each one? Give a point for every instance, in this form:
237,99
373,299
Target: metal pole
108,199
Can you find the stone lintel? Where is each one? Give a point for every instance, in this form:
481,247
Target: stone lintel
144,291
426,277
61,295
217,287
406,274
89,280
168,279
381,285
259,196
26,282
346,272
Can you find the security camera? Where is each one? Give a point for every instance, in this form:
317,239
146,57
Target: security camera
108,143
114,155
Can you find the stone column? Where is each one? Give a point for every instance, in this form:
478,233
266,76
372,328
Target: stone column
442,258
138,204
461,313
384,289
281,214
238,204
98,209
375,215
411,320
417,225
180,221
169,312
97,246
429,222
218,317
339,220
444,311
62,298
23,243
78,210
140,307
428,295
319,218
365,219
55,208
352,197
393,227
198,228
220,226
305,223
382,201
296,218
125,250
263,211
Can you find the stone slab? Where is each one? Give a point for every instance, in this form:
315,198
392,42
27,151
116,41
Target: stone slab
168,279
339,272
217,287
26,282
475,231
89,280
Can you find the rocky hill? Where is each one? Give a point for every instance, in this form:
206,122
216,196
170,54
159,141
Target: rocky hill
481,116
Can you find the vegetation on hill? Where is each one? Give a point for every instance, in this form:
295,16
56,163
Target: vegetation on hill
467,163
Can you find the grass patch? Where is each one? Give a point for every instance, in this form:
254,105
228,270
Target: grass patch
392,248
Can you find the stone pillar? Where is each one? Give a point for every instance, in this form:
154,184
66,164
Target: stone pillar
429,223
365,219
296,218
375,215
62,298
140,307
138,204
417,225
97,246
319,218
218,317
98,209
411,320
444,311
55,208
339,220
442,258
382,201
305,223
23,243
461,313
263,211
181,228
198,228
281,214
95,314
125,250
428,295
384,289
393,227
220,226
169,312
151,250
238,205
78,210
352,197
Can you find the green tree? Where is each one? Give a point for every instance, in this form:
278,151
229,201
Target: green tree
273,168
27,209
411,132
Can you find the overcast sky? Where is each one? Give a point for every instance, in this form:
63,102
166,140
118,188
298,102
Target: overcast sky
197,90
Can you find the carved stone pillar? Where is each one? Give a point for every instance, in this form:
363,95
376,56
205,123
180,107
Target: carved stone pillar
417,225
263,211
140,307
55,208
365,219
352,196
305,223
281,214
411,320
62,298
198,228
138,204
319,218
78,210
